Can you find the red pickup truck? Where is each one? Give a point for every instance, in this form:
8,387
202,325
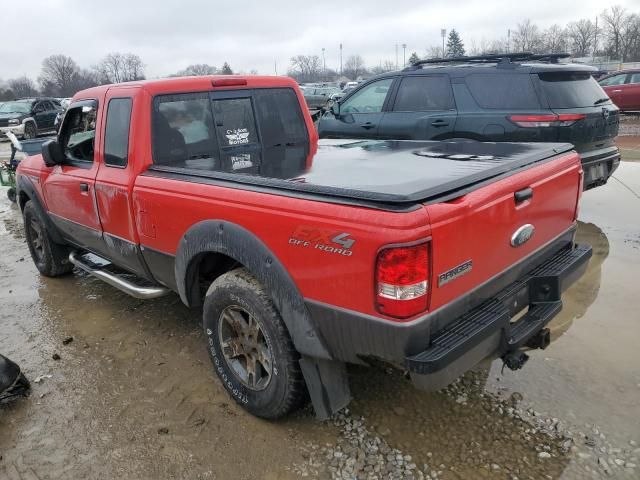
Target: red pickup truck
429,256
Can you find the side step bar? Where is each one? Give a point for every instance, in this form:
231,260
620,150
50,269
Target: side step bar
136,291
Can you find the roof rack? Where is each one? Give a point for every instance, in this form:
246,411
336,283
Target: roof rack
493,58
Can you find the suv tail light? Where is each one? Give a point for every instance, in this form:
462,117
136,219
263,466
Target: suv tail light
402,280
547,120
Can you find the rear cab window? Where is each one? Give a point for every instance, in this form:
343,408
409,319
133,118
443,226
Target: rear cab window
254,131
571,89
503,91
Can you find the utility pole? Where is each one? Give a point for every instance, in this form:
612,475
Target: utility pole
396,56
404,55
508,39
275,66
443,32
341,59
595,41
324,66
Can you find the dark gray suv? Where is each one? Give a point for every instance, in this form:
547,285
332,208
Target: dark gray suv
29,117
496,98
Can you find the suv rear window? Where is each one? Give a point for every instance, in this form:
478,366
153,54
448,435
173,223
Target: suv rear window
571,89
503,91
424,93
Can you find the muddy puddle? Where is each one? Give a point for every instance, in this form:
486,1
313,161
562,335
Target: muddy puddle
133,394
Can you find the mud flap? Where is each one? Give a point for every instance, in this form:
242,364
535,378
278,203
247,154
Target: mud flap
328,385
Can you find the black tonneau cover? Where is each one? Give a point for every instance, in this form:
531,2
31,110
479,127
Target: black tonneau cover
396,172
400,171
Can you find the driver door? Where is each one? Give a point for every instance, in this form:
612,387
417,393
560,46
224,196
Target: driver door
360,114
69,190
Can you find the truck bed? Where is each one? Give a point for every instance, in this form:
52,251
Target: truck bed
399,172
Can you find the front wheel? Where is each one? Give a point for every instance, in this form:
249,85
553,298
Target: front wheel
51,259
11,194
29,131
250,347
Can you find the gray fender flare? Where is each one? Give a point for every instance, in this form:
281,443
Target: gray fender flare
238,243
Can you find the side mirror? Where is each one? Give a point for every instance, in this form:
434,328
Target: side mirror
52,153
335,109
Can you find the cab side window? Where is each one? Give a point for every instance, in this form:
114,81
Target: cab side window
78,132
370,99
116,143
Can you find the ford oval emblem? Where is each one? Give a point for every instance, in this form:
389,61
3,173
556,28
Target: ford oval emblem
522,235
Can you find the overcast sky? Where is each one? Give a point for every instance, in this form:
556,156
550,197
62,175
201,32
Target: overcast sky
168,36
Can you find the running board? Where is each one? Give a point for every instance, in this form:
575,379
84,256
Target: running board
136,291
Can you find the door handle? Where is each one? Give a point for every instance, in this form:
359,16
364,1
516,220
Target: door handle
368,125
440,123
522,195
84,187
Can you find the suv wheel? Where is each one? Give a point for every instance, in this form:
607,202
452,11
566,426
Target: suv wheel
51,259
250,347
29,131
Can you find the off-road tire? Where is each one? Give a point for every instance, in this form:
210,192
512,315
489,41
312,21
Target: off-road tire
11,194
51,259
30,131
286,390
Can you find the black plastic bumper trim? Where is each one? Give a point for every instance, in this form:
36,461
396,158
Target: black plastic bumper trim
543,286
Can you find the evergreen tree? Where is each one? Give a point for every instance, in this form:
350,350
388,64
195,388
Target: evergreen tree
413,58
455,47
226,69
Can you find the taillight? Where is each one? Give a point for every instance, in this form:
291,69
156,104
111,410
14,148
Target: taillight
547,120
579,196
402,280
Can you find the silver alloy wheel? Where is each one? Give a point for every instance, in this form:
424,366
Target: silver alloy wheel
245,347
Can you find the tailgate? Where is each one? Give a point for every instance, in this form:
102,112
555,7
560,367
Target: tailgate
473,236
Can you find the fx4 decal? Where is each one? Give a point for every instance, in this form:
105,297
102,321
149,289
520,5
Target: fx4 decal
331,241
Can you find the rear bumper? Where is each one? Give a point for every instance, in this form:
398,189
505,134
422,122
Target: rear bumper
488,329
354,337
599,165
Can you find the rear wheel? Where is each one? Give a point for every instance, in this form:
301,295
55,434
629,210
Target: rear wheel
51,259
29,131
250,347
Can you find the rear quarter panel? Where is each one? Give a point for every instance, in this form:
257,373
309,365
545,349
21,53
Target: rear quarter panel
284,224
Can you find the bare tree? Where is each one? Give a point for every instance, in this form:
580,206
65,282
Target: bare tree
23,87
527,38
354,67
58,76
622,32
120,67
581,35
306,68
196,70
554,39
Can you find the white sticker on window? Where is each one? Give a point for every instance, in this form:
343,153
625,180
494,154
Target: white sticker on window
242,161
237,136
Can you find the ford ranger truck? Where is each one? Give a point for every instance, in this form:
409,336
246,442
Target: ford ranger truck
303,257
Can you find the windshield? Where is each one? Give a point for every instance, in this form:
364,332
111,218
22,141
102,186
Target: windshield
571,90
18,107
